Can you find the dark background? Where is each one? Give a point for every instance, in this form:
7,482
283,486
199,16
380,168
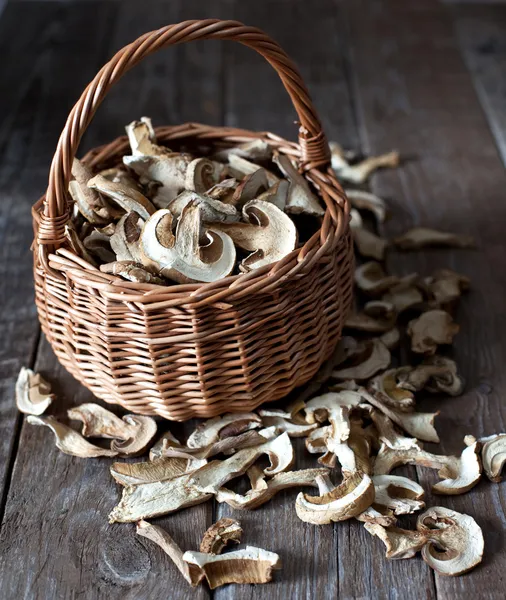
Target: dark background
424,77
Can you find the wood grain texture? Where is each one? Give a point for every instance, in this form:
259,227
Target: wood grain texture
480,31
419,98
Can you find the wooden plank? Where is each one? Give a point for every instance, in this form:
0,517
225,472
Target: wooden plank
480,31
68,544
419,98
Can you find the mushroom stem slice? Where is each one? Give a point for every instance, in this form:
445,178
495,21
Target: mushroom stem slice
300,198
125,239
162,538
399,543
251,565
493,454
398,494
220,534
160,469
69,441
33,393
431,329
212,430
141,136
360,172
349,499
130,199
132,271
423,237
213,211
99,422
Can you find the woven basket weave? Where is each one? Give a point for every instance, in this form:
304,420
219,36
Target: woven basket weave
202,349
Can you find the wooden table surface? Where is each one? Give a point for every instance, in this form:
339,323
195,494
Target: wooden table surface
425,78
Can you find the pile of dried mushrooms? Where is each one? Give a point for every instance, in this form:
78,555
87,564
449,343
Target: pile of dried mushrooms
359,414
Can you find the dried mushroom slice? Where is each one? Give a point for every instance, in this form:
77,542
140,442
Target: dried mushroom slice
372,279
160,469
255,150
385,388
240,167
99,244
212,430
223,191
142,139
336,503
220,534
435,374
371,356
360,172
283,425
493,454
431,329
132,271
181,257
33,393
360,321
69,441
251,565
268,233
391,338
368,244
404,296
363,200
162,538
143,430
423,237
212,211
399,543
277,194
200,175
130,199
88,201
250,188
399,494
77,245
444,287
300,199
125,239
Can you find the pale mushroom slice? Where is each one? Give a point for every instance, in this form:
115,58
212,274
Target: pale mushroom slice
336,503
161,469
444,287
435,374
371,279
361,171
135,432
125,239
356,221
399,543
200,175
88,201
404,296
282,425
180,257
77,245
460,473
220,534
69,441
212,211
212,430
360,321
371,357
132,271
399,494
99,244
455,541
385,388
423,237
493,454
223,191
368,244
250,188
167,438
130,199
250,565
142,139
162,538
240,167
119,175
263,490
391,338
169,170
363,200
33,393
431,329
300,199
386,431
269,234
255,150
420,425
276,194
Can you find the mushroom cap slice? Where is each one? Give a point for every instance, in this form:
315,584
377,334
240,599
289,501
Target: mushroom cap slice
220,534
300,199
125,239
181,257
99,244
132,271
251,565
349,499
268,233
369,244
161,469
212,211
143,430
444,287
435,374
283,425
212,430
99,422
423,237
33,393
469,471
250,187
200,175
363,200
69,441
431,329
88,201
403,296
398,494
399,543
372,279
458,536
223,191
142,139
360,172
130,199
239,167
386,389
493,454
371,356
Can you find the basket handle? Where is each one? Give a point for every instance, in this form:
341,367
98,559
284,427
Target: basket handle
314,147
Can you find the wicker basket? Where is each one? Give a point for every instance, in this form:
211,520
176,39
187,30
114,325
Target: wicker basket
202,349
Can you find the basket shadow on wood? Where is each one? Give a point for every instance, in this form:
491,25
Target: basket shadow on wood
198,349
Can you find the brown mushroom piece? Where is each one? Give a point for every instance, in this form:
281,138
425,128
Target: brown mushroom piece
240,167
444,287
223,191
435,374
132,271
276,194
250,565
231,424
181,257
368,244
200,175
162,538
135,431
77,245
119,175
212,211
493,454
130,199
33,393
69,441
363,200
371,279
360,172
336,503
88,201
399,494
391,338
250,188
385,388
161,469
99,244
268,233
256,150
220,534
430,330
371,356
300,199
142,139
125,239
404,296
360,321
423,237
283,425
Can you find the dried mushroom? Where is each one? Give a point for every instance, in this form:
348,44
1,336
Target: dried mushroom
435,374
88,201
493,454
99,245
366,201
300,199
220,534
360,172
33,393
444,287
369,244
371,356
240,167
129,199
231,424
68,440
430,330
161,469
255,149
372,279
125,239
385,387
212,211
131,271
423,237
251,565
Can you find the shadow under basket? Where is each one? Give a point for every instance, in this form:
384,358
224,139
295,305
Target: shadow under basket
196,350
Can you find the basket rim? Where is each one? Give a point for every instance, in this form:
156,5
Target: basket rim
266,279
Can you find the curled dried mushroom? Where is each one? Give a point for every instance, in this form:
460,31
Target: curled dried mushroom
33,393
